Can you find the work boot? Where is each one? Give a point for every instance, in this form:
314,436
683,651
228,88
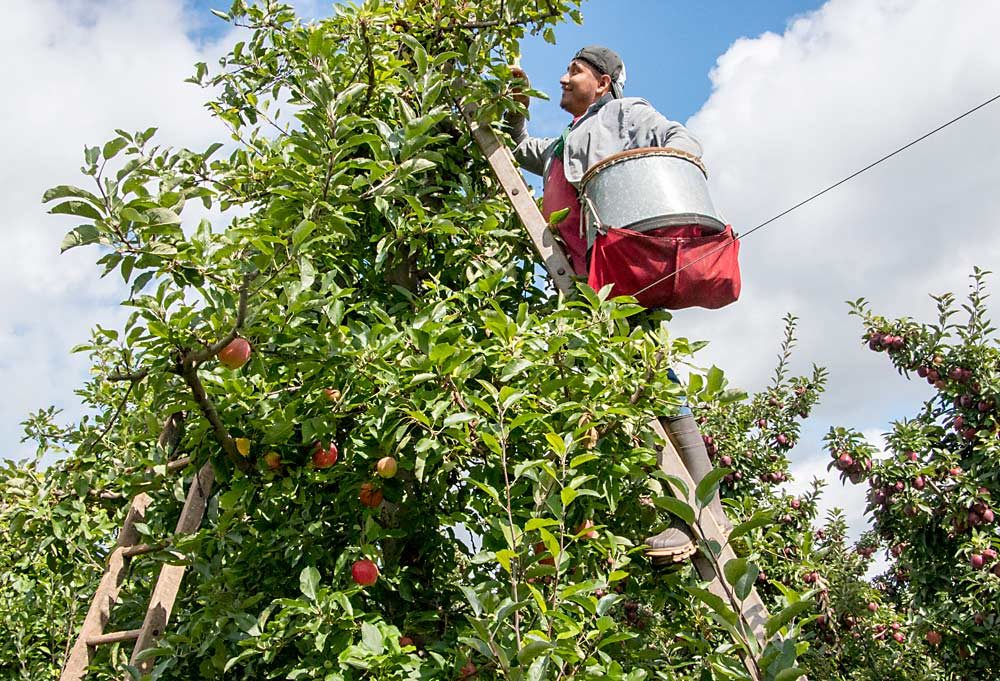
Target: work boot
674,545
686,438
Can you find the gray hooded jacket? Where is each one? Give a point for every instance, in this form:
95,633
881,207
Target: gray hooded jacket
607,127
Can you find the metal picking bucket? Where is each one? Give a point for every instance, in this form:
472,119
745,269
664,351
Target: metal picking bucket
644,189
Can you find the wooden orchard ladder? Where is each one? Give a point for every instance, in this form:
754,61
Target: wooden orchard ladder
164,593
709,530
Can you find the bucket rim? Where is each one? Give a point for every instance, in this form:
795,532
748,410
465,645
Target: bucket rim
629,154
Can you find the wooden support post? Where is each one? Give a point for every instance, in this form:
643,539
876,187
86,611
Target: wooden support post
169,581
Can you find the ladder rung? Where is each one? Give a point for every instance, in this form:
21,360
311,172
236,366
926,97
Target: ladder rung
140,549
178,464
114,637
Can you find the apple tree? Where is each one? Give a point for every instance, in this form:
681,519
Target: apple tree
427,464
932,496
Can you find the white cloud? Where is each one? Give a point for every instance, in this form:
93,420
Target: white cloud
74,71
790,114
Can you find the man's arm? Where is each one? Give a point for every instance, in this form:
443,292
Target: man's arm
530,151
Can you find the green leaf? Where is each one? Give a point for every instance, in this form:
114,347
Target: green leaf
705,491
532,650
759,519
789,674
308,581
606,603
744,585
536,523
162,216
734,569
715,380
676,507
79,208
473,598
581,459
64,191
371,638
453,420
415,165
556,442
558,216
479,644
776,622
715,603
112,148
568,494
79,236
302,232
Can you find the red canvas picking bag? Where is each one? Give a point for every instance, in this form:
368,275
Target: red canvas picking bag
633,261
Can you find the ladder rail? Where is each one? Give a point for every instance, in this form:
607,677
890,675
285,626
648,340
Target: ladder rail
106,595
168,583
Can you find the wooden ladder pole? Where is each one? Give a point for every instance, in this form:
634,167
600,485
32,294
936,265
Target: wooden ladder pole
709,529
752,609
500,159
168,583
107,593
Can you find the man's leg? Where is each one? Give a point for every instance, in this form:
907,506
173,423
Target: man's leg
676,543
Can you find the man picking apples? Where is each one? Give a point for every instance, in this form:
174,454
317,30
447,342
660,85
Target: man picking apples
604,122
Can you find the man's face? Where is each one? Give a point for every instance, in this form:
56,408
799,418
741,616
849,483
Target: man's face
581,87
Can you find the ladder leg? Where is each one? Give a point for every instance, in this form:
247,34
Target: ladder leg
107,593
169,581
751,610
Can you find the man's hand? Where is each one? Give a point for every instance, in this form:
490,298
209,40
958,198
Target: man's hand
518,90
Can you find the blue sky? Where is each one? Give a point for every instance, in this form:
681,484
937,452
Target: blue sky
660,41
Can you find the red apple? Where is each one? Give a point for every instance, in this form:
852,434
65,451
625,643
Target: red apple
386,467
977,561
468,670
548,560
370,496
272,460
331,394
899,637
585,530
236,354
872,607
364,572
405,641
322,456
933,638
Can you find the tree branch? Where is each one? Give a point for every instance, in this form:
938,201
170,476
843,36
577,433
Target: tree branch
241,314
500,22
371,66
189,371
